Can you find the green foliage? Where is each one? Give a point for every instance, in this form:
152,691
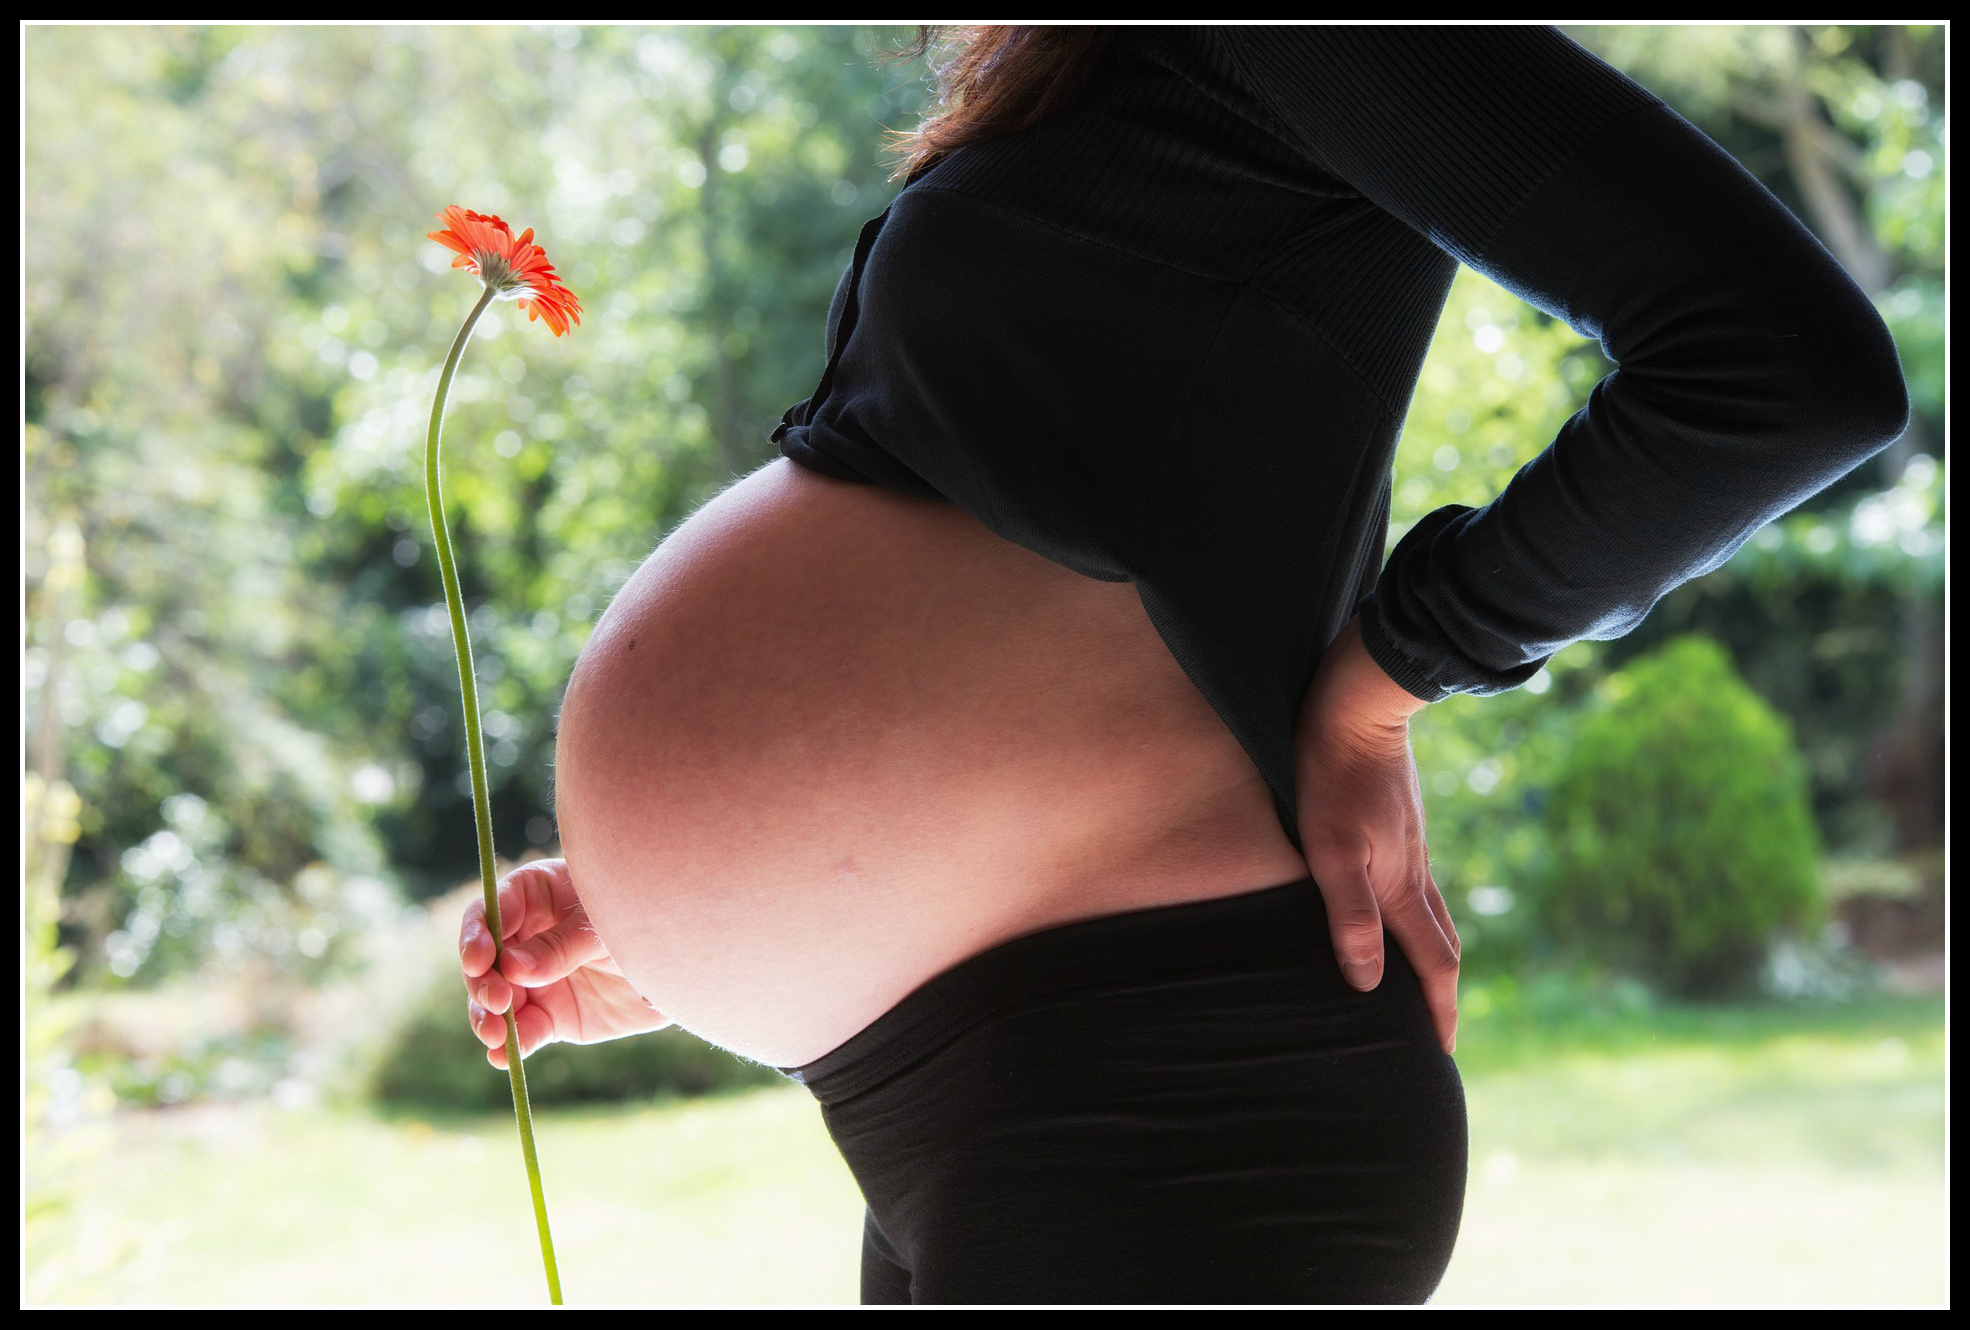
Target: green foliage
1484,763
1500,379
1814,610
47,1166
433,1062
1681,839
245,1063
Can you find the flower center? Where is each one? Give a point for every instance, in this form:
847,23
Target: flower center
497,274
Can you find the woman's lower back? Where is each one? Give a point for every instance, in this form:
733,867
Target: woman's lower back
830,741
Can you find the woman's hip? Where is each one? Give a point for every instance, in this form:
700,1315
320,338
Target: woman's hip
1174,1105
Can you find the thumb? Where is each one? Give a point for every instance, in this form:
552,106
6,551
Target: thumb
552,955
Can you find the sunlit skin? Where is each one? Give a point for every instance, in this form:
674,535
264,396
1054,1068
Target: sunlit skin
830,740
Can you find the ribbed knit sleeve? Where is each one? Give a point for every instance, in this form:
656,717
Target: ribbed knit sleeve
1751,372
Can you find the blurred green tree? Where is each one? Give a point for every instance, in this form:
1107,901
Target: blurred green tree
1682,841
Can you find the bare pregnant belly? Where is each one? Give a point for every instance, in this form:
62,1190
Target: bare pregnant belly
831,740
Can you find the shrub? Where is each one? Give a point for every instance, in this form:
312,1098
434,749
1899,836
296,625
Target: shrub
1484,764
1680,830
433,1062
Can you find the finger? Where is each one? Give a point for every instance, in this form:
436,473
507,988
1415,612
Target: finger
491,991
488,1027
521,892
475,944
532,895
535,1027
1442,912
555,953
495,1040
1413,924
1354,922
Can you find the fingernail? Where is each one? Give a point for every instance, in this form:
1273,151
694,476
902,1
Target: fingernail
1363,974
521,957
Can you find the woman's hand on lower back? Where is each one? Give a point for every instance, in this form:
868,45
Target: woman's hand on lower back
1361,824
554,970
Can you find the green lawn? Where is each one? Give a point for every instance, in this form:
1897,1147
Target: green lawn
1790,1157
1756,1162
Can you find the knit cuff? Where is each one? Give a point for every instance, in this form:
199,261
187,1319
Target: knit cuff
1397,665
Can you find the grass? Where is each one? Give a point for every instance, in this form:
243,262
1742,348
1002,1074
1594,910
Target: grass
1756,1155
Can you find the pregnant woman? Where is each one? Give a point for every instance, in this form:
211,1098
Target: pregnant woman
1020,761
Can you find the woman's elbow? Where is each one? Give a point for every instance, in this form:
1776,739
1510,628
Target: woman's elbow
1874,406
1859,383
1838,388
1819,355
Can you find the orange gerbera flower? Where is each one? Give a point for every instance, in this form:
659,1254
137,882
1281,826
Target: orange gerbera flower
512,268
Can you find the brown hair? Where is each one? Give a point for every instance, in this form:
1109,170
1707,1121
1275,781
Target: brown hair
995,79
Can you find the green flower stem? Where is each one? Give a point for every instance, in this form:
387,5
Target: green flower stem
481,801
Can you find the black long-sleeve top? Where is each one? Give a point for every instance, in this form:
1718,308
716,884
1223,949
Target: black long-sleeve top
1169,336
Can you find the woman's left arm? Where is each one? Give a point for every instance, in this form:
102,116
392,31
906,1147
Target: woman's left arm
1752,372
